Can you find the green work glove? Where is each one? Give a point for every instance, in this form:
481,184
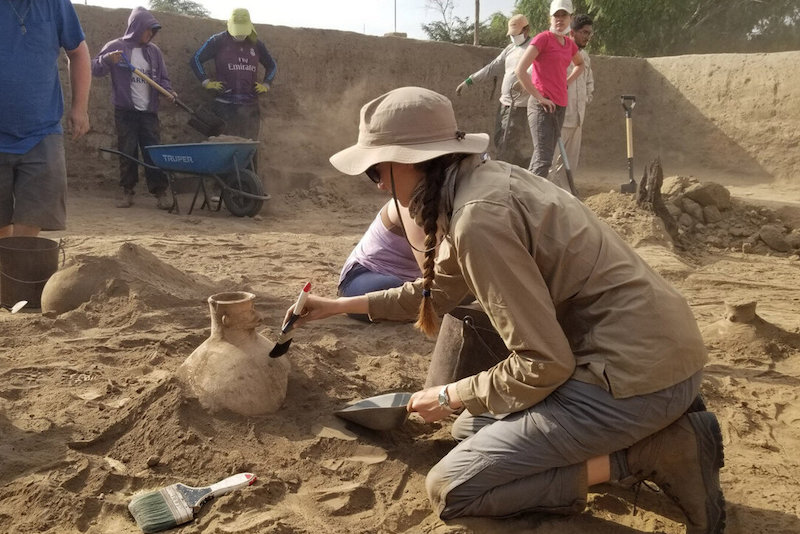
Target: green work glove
214,86
463,85
261,88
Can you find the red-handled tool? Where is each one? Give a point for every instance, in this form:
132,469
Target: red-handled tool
285,339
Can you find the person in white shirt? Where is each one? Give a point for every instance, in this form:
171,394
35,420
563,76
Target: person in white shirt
512,140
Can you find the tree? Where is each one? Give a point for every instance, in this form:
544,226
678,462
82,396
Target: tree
660,28
183,7
453,29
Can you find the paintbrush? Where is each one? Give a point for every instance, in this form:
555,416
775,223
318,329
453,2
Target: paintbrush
285,339
177,504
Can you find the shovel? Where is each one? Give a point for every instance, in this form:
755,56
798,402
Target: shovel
565,160
16,307
208,124
628,102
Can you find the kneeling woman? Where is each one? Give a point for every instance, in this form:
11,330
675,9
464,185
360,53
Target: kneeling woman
604,357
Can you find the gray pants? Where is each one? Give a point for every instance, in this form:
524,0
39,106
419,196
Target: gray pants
241,120
33,186
545,129
512,139
535,460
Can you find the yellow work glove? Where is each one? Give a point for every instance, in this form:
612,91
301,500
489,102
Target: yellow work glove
261,88
214,86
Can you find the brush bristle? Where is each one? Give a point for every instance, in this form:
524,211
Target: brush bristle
152,512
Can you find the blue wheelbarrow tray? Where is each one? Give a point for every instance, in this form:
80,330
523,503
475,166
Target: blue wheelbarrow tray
202,158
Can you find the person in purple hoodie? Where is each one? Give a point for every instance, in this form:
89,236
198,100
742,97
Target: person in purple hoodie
135,102
237,53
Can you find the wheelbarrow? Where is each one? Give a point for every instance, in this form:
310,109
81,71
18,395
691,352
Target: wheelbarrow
228,163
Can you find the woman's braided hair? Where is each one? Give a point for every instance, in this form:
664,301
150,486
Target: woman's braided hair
424,207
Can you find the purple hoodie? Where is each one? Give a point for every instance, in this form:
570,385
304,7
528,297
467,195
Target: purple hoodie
139,21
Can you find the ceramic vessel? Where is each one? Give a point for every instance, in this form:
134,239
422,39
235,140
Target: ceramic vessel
232,369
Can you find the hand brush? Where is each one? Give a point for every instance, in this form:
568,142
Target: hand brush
177,504
285,339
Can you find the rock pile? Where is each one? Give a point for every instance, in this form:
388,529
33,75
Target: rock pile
706,214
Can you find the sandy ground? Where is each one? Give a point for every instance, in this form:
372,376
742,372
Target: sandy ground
90,411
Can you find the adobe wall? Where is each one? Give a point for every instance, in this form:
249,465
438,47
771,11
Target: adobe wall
736,114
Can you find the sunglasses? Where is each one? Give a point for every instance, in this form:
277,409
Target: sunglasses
372,174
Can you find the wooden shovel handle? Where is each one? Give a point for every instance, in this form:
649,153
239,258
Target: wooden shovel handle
160,89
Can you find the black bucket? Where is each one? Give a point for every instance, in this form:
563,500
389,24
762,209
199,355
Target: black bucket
26,263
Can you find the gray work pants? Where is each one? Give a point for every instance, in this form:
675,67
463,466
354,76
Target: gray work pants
512,139
535,460
545,129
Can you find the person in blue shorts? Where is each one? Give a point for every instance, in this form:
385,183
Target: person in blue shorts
33,174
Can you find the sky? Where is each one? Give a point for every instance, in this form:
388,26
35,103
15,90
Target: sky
372,17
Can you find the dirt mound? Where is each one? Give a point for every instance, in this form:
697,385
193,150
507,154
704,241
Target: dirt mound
131,273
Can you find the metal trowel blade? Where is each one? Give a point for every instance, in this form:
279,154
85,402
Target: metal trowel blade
18,306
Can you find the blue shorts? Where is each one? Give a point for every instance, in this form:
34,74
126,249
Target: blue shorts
33,186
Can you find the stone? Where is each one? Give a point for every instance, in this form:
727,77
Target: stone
676,185
709,194
693,208
711,214
772,235
686,220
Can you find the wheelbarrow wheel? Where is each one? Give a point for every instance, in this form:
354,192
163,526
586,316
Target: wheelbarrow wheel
240,205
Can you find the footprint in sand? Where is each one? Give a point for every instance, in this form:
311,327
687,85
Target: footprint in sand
347,499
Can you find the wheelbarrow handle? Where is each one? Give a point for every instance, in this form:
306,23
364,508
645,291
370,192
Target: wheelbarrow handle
118,153
624,99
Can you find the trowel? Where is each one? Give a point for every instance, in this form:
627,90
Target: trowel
17,307
383,412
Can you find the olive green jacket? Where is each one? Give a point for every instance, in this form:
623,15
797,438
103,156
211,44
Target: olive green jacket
568,296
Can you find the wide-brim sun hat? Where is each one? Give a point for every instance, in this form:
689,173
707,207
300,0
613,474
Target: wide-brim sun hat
407,125
239,23
558,5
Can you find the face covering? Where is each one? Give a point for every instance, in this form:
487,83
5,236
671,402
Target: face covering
562,34
518,39
239,37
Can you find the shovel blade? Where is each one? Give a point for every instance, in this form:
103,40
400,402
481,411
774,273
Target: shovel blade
207,122
629,188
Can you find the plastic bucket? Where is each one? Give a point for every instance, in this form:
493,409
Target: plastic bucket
26,263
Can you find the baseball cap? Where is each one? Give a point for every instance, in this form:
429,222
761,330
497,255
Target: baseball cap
558,5
516,23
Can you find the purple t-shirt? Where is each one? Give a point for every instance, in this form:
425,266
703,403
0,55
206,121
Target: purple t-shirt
382,251
550,66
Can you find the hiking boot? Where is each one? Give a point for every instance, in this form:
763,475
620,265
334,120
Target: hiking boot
163,202
697,405
126,199
684,460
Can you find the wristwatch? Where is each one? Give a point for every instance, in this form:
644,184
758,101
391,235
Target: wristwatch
444,398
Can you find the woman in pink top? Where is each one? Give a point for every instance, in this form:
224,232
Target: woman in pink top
549,55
